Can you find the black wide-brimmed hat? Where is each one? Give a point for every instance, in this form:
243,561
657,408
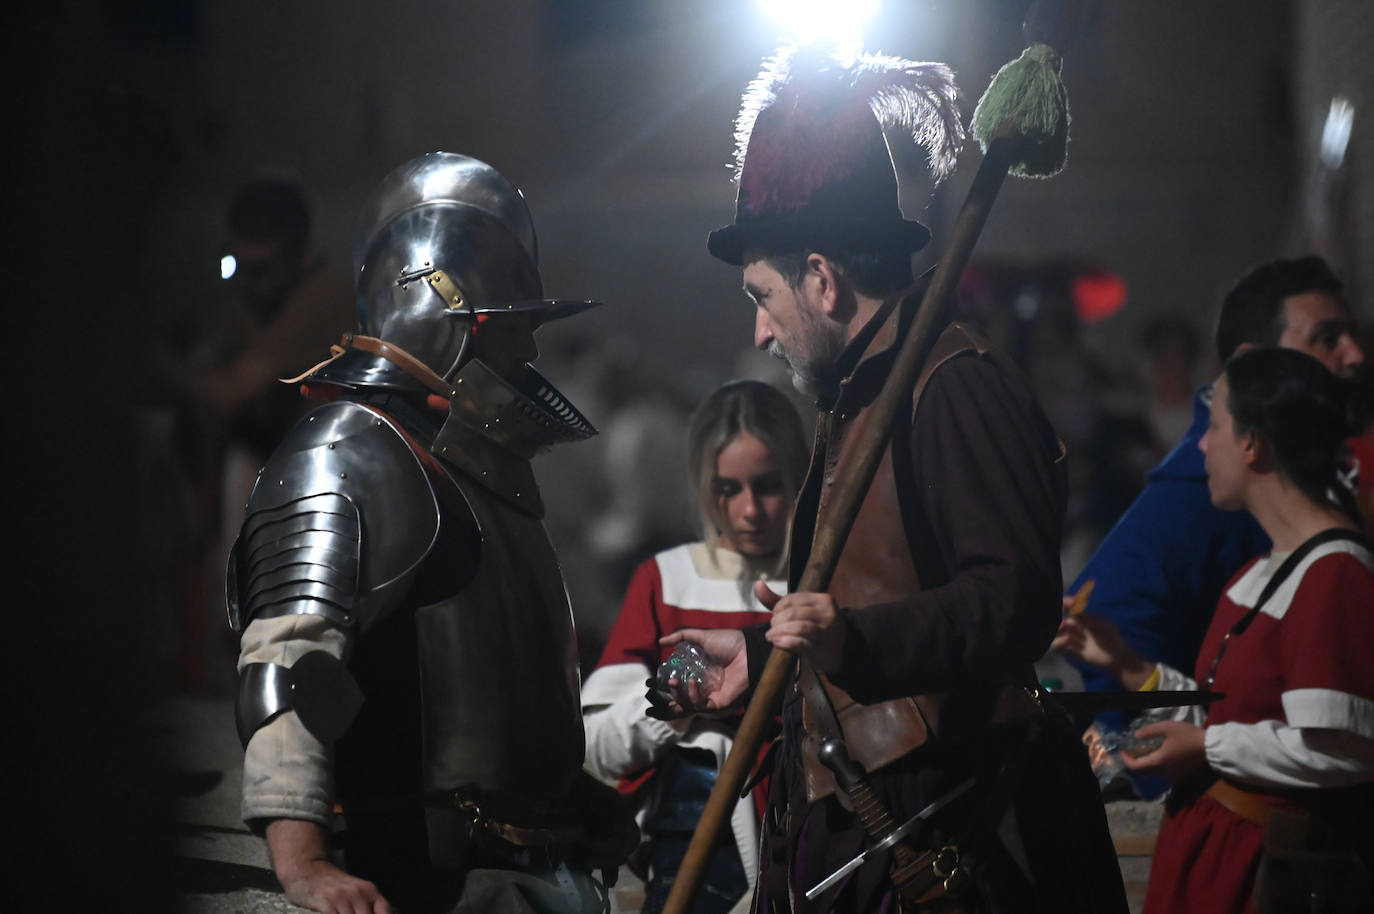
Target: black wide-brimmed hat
812,163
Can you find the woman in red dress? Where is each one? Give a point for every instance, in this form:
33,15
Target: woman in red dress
1289,748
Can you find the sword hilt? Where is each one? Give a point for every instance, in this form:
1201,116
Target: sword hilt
868,809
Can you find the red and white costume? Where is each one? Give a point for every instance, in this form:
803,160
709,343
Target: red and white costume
688,586
1298,714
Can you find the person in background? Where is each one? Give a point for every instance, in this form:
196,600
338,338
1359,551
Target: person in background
287,300
1173,351
1287,752
1159,571
746,456
282,304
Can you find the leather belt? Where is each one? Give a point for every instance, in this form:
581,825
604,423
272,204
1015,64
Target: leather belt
1243,803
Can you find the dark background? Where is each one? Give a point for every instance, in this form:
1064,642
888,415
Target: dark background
1194,155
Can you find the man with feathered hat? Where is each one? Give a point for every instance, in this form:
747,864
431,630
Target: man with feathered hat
947,588
408,657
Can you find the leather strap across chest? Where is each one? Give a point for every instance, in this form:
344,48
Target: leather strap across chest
876,734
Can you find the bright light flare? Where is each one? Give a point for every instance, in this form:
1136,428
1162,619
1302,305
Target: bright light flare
1336,132
228,266
837,22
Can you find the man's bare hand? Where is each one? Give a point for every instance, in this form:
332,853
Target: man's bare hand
310,880
322,886
675,699
807,624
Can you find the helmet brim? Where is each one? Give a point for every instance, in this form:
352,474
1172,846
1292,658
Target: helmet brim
548,309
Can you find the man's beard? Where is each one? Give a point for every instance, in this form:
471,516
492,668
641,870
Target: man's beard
812,359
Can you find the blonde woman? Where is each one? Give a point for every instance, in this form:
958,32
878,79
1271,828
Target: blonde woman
746,458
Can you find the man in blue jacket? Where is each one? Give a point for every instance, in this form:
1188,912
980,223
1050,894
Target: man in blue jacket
1158,573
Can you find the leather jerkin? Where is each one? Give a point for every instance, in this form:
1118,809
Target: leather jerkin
876,566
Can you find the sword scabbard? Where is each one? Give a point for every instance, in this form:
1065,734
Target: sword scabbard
930,875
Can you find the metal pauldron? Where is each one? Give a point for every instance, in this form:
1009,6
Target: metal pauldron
298,558
303,548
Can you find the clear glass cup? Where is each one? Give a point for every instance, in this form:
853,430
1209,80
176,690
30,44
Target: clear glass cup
690,663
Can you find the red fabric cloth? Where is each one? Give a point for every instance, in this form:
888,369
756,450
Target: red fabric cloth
1206,857
1205,861
1321,642
645,616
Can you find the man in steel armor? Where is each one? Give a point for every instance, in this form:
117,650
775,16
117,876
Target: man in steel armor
408,664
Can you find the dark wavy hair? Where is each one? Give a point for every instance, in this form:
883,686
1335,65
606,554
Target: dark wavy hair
1252,311
874,273
1302,411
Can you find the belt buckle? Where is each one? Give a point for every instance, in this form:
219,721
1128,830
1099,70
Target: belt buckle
946,861
482,823
948,866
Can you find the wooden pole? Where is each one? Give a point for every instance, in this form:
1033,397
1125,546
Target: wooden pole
937,307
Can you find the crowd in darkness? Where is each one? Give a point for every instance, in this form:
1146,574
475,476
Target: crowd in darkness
207,405
138,450
213,406
620,497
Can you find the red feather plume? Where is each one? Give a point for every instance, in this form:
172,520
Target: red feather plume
818,103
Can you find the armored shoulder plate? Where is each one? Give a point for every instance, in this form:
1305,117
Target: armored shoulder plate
339,519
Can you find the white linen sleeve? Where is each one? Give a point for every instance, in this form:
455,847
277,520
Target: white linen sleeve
1326,741
621,738
287,772
1272,753
1174,680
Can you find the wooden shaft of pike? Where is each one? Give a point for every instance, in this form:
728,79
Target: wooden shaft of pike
936,308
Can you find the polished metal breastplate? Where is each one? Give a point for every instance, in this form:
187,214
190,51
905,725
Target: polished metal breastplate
499,665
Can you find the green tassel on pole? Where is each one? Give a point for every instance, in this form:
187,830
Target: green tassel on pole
1026,100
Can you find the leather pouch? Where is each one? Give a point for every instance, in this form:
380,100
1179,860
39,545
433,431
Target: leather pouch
879,734
875,735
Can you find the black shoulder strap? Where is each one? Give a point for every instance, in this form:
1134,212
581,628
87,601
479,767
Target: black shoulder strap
1284,570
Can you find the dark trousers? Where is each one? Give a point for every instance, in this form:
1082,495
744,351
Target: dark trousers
685,779
724,884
